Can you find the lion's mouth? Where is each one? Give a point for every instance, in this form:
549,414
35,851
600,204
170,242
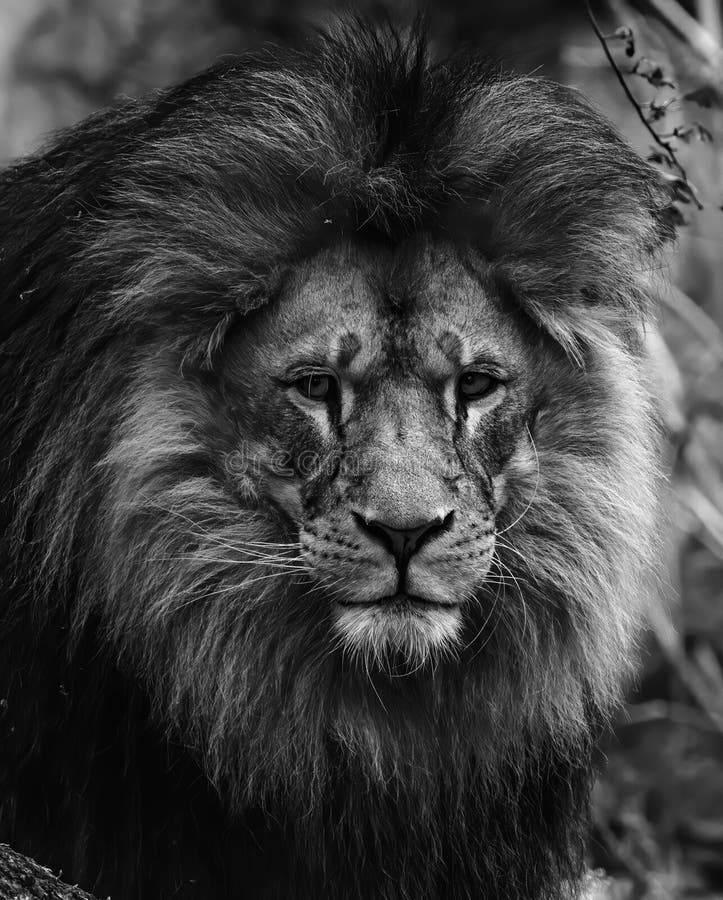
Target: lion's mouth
397,601
399,626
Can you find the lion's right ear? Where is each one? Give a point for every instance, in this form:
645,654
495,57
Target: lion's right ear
50,205
40,213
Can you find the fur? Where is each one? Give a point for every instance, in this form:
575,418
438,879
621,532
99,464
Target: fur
159,742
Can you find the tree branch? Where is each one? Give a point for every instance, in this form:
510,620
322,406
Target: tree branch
21,878
667,148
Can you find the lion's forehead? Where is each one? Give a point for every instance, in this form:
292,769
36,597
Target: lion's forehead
425,307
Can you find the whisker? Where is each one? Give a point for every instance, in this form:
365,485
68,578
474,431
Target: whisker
279,563
520,592
211,534
480,631
231,588
505,545
534,493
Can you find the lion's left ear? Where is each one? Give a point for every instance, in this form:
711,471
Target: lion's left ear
579,327
593,314
605,279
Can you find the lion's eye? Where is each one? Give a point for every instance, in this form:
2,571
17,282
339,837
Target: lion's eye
316,386
474,385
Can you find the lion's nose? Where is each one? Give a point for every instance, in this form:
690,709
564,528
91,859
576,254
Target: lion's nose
403,542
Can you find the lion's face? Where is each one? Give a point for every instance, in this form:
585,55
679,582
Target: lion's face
381,397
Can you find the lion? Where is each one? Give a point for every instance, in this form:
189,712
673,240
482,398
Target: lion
329,479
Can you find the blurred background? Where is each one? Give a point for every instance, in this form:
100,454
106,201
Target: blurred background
658,808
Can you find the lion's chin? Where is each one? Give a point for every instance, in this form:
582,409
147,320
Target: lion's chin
395,630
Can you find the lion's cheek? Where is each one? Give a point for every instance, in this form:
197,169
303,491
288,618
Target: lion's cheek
518,481
286,494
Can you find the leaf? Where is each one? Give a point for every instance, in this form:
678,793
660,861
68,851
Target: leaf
706,96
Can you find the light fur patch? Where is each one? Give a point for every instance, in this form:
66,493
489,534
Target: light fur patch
379,632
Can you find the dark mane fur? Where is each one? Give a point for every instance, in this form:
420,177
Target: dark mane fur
157,747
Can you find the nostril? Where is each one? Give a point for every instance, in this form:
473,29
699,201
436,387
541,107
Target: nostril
388,536
363,523
403,542
446,521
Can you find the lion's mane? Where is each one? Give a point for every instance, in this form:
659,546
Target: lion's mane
165,723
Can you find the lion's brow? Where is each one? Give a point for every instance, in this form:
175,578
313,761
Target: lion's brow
349,346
